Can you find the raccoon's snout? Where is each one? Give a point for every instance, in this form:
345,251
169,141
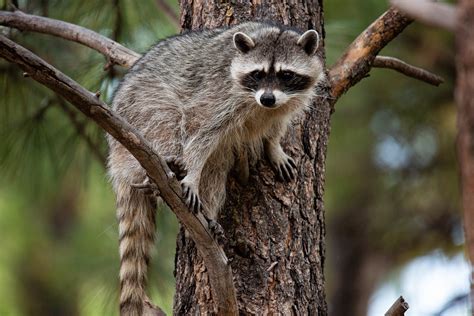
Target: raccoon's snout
268,99
271,98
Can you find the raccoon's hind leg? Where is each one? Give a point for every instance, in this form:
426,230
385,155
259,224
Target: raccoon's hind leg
209,138
195,156
149,188
212,189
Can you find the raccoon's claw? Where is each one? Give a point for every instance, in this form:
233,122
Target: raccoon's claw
148,187
217,231
191,198
287,169
178,167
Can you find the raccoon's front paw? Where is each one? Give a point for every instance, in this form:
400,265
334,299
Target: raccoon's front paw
177,166
191,197
148,187
285,167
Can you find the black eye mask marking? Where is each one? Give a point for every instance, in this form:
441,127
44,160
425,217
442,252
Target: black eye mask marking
286,75
252,80
258,74
287,81
293,82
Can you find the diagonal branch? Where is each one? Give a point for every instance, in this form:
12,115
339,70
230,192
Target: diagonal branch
407,69
114,52
215,260
356,62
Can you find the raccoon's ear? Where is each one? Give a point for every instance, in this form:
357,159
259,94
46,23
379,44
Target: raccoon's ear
243,42
309,41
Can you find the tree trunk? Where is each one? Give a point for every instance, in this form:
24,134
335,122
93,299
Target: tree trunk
465,101
355,269
274,230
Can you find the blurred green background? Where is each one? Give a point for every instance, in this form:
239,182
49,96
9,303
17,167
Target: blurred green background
391,190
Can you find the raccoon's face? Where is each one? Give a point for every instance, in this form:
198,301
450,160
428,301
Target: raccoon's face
276,66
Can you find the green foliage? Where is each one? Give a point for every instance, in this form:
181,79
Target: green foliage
390,162
57,215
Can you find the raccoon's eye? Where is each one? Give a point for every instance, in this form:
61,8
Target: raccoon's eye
286,75
258,74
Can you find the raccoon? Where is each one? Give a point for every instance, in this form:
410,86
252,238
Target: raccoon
206,101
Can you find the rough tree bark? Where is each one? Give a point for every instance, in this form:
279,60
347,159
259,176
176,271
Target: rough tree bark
274,230
465,103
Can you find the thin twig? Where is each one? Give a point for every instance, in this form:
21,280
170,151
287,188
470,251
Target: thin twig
118,23
167,10
458,300
407,69
398,308
215,260
114,52
356,61
80,129
40,113
441,15
13,5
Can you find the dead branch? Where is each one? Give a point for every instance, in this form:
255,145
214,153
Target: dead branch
214,258
398,308
356,61
114,52
407,69
167,10
441,15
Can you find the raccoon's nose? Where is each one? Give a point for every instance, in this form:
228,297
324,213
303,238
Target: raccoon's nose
267,99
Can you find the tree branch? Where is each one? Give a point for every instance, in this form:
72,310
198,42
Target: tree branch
214,258
441,15
407,69
398,308
168,11
355,63
114,52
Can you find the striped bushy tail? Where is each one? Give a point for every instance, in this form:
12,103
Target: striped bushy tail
136,216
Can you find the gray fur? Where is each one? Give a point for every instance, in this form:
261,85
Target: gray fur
185,96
